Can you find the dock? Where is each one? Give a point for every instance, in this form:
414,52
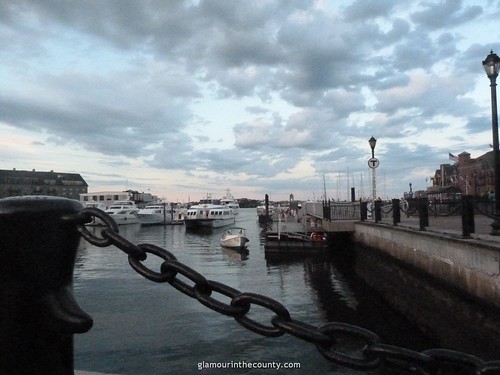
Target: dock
300,234
295,242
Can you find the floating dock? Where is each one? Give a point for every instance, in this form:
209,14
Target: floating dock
294,235
295,242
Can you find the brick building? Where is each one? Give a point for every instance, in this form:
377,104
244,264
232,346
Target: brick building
468,176
17,183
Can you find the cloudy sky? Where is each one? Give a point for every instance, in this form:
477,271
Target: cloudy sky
184,98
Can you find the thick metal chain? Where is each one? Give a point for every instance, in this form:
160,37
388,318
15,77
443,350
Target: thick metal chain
371,353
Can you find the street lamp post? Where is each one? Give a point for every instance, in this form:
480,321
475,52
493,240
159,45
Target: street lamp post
373,164
492,66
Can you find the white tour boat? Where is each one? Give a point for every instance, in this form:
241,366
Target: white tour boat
235,238
156,213
123,212
209,213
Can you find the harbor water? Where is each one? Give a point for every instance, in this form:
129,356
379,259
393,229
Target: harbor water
141,327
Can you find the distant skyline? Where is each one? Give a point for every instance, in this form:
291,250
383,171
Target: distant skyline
278,97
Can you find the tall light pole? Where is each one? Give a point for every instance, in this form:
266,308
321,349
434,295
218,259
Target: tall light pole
373,164
492,66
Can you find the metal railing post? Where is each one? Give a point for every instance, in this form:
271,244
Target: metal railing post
396,213
364,211
38,314
423,213
467,212
327,210
378,210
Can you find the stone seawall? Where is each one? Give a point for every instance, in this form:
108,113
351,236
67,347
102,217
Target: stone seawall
449,287
469,265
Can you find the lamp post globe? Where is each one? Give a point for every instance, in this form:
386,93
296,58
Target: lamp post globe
491,67
373,142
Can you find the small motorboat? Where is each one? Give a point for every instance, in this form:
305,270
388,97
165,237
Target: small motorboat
234,238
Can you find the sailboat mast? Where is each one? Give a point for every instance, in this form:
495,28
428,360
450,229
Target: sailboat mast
324,187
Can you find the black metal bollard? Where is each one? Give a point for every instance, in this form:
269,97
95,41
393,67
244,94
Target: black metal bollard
378,211
396,213
327,210
423,213
364,211
468,225
38,315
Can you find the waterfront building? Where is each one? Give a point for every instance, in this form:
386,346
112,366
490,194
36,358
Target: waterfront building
470,176
109,197
106,197
19,183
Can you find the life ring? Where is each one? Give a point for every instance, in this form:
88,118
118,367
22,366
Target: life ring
316,236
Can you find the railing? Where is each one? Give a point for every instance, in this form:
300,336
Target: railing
460,215
341,210
38,243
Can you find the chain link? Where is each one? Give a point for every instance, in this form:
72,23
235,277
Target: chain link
358,362
371,353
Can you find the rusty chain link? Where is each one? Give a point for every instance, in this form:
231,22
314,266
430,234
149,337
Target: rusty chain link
371,353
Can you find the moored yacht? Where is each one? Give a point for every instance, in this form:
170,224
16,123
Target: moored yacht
156,213
209,213
231,202
123,212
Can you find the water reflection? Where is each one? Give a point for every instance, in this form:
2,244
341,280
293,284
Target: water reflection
341,296
232,255
328,283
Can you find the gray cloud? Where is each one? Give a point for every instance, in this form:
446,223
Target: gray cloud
132,74
448,13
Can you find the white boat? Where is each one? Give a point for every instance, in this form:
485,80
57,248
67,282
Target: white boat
234,238
156,213
123,212
231,202
209,213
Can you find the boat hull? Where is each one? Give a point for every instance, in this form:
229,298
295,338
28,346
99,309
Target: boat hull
234,242
125,219
154,219
234,238
208,223
123,212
